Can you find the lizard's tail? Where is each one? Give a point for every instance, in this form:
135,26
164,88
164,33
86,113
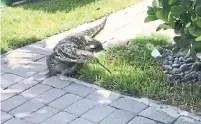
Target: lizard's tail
93,31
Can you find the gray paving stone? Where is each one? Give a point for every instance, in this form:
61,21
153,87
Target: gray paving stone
129,105
81,107
38,49
41,44
170,110
3,60
26,109
9,79
81,121
41,76
16,121
23,85
65,101
41,114
118,117
12,78
79,89
5,117
23,55
114,43
60,118
5,96
98,113
2,73
21,71
12,103
103,96
7,93
17,62
5,83
157,115
35,91
185,120
77,81
56,82
49,96
142,120
37,66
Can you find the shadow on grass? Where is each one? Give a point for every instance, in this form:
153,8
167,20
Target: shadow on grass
135,72
53,6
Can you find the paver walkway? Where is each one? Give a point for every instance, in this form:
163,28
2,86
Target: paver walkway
28,97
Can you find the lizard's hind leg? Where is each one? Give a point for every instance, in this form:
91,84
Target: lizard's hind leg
50,60
71,72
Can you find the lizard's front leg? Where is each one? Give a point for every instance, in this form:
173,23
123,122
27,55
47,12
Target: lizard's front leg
50,60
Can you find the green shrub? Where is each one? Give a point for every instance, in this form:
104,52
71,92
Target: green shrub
184,16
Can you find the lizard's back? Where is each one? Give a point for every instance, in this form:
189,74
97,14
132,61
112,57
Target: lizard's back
80,39
67,48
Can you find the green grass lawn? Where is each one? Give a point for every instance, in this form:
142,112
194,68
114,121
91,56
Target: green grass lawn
36,20
135,72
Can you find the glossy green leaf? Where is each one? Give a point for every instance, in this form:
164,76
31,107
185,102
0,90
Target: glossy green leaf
155,3
186,3
197,46
182,42
186,18
165,26
194,3
198,2
188,24
150,18
186,31
171,20
151,11
198,10
158,28
161,14
198,21
177,10
198,38
172,2
194,31
165,5
181,51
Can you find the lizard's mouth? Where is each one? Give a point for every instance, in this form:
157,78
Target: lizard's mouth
94,49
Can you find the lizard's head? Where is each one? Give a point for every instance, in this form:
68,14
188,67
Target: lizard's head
94,46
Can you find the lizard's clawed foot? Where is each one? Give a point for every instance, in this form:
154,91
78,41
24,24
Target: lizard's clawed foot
50,74
69,74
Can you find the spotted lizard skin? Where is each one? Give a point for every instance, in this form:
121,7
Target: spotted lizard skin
75,50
